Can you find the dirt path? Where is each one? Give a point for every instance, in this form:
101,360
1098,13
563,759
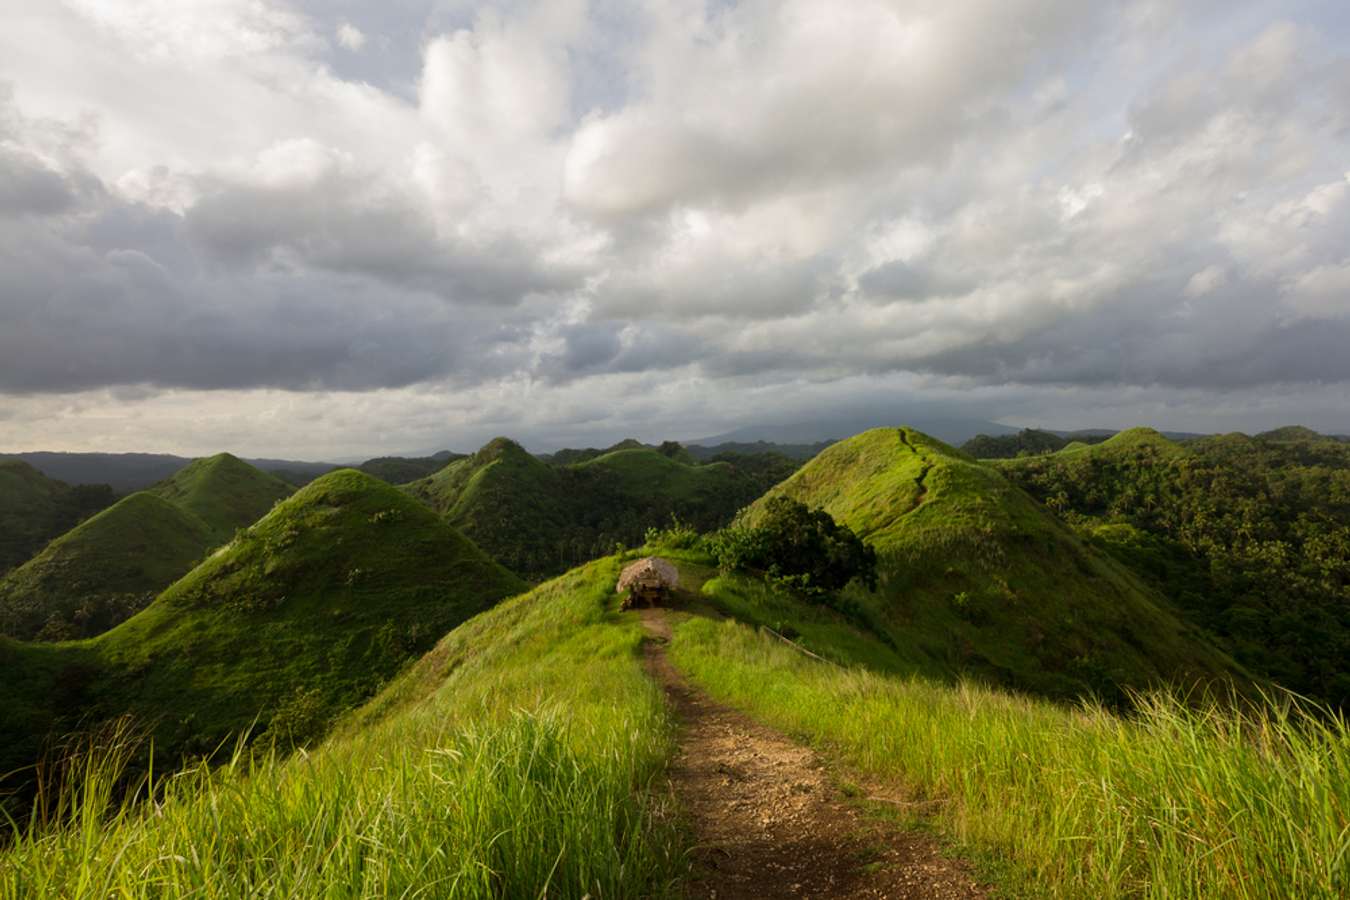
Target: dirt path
768,821
921,480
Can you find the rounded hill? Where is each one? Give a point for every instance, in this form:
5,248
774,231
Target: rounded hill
302,615
976,577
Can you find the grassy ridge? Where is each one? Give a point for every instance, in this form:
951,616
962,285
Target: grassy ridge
1173,802
34,509
103,570
537,518
223,491
514,761
1249,536
111,566
304,614
975,577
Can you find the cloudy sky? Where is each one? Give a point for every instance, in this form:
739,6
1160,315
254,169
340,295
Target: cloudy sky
323,228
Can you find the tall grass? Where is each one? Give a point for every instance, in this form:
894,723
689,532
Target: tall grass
1173,802
520,765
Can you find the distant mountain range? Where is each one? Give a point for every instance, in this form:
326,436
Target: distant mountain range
126,472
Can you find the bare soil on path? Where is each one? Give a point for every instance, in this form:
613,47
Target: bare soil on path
768,820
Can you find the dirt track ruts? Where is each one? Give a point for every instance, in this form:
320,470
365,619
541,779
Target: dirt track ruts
769,821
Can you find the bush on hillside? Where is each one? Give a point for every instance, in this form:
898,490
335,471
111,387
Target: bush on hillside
801,548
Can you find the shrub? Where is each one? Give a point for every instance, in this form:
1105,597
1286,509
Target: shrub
803,549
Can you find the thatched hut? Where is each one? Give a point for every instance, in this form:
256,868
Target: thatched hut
648,581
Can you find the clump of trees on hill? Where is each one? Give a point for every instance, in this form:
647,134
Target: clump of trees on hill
800,548
1027,442
1250,537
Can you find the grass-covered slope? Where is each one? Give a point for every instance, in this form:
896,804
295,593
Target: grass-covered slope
520,758
223,491
402,469
538,518
976,577
113,564
101,571
1249,535
1056,800
34,509
303,614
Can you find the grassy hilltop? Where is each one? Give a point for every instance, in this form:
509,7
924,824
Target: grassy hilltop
222,491
96,575
976,577
34,509
537,518
300,616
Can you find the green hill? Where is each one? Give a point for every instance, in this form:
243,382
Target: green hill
1249,536
402,469
223,491
976,577
302,615
538,518
34,509
102,571
113,564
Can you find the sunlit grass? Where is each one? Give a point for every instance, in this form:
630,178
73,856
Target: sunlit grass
1077,802
517,760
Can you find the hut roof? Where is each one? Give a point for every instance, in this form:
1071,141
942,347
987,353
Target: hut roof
651,571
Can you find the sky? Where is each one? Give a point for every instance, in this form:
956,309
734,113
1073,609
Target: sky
329,229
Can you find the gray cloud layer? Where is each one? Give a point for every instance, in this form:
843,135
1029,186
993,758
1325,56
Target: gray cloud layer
1033,194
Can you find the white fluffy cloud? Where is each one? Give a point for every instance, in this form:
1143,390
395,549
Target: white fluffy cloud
673,199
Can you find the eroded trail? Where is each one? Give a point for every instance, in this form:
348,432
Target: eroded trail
768,820
920,480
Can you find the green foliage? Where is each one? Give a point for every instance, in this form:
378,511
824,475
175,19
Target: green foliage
801,548
1179,800
402,469
113,564
1250,536
302,615
223,491
1040,609
34,509
102,571
538,518
1027,442
520,758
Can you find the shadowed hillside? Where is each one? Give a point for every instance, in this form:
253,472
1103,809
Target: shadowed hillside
976,577
538,518
300,616
34,509
103,571
113,564
1250,536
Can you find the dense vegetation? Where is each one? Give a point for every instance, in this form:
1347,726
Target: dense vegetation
402,469
801,549
976,578
1027,442
517,759
539,518
1251,536
113,564
302,615
34,509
